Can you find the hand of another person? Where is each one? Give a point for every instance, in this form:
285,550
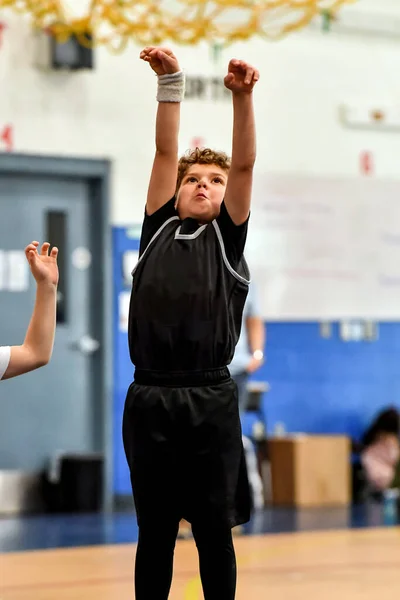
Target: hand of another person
44,265
254,364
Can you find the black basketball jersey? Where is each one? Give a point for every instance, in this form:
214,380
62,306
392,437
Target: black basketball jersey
188,292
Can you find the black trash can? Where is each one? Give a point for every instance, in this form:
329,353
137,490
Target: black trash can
81,482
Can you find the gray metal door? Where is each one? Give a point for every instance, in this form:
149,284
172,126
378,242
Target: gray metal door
51,409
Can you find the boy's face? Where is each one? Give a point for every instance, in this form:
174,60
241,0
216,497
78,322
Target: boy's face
201,193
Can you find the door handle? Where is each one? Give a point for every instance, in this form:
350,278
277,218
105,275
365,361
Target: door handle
87,345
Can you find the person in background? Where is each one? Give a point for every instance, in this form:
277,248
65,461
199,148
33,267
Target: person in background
380,456
249,353
37,347
248,358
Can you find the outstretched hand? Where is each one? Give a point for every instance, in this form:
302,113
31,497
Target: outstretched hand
162,60
44,265
241,77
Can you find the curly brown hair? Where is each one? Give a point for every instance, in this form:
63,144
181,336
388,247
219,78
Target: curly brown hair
201,156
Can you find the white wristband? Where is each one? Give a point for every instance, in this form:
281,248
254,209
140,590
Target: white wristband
171,87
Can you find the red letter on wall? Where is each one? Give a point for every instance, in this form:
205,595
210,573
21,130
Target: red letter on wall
7,137
3,27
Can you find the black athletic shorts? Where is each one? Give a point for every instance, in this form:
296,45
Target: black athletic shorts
184,448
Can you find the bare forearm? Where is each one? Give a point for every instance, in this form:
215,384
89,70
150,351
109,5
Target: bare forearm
167,128
244,132
39,337
37,348
165,165
256,334
41,330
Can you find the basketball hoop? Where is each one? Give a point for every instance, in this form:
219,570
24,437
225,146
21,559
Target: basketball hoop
116,22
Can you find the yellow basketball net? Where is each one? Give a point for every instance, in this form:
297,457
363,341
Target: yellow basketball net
115,22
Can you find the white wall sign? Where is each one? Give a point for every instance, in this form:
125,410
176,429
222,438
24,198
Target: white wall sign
326,249
17,271
129,260
124,300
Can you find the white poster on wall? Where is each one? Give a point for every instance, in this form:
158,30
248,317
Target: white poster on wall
17,271
123,310
324,249
129,261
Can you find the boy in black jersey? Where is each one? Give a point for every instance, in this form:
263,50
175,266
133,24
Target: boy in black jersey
181,426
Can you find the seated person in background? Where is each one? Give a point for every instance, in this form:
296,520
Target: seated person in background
37,347
381,450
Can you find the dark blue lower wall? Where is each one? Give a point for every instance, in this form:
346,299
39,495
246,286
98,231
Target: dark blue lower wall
327,385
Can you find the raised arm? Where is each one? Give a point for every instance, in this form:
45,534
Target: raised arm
37,347
241,79
169,96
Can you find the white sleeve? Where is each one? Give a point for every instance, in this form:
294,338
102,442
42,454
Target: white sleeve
5,353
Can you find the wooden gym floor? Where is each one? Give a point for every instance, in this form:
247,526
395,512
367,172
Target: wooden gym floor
351,564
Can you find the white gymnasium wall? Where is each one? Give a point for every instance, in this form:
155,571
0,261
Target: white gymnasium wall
110,112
